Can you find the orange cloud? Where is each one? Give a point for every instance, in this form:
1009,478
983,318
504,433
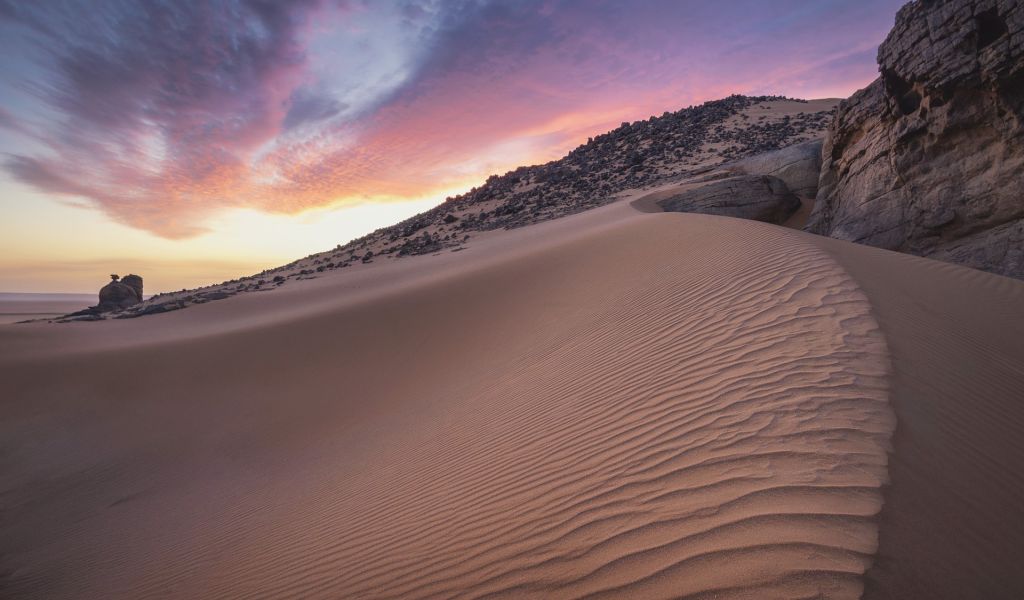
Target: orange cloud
169,114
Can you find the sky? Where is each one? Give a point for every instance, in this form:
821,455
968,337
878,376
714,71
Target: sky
193,142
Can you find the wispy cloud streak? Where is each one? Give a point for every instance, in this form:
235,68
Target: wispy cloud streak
161,113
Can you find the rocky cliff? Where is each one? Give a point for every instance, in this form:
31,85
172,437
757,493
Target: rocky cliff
755,197
929,159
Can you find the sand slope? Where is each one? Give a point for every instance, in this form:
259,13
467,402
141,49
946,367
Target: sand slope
953,523
611,404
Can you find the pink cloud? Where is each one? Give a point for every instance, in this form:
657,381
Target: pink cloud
173,112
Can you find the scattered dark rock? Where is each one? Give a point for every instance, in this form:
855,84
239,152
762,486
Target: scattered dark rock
91,311
153,309
80,317
634,155
217,295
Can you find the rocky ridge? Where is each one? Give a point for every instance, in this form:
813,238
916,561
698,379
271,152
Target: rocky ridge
673,147
928,160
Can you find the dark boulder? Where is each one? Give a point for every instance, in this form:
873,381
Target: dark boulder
120,294
798,166
134,282
755,197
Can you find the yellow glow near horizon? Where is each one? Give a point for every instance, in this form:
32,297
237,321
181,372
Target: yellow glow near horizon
57,244
53,247
351,120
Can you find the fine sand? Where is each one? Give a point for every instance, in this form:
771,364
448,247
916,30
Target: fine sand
610,404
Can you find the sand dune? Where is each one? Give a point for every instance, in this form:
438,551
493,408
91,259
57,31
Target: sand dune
610,404
953,523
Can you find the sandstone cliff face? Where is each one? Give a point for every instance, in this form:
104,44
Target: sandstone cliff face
929,159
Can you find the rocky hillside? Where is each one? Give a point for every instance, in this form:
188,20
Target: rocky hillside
638,155
633,156
929,159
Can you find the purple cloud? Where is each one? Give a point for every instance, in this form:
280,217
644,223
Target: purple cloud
309,106
161,102
161,112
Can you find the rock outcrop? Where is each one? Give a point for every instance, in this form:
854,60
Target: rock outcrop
755,197
120,294
798,166
929,159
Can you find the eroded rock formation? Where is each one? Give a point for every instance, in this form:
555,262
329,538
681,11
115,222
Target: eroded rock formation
756,197
798,166
929,159
120,293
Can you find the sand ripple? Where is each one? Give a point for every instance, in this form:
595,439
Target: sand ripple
678,407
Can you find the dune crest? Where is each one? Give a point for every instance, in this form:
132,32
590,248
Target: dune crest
664,406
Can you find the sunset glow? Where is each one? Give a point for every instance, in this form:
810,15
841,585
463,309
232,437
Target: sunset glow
201,142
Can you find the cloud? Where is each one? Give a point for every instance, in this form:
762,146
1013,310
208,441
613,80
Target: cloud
161,113
508,83
307,106
10,122
162,105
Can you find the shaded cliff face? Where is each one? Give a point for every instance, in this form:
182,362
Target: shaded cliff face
929,159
